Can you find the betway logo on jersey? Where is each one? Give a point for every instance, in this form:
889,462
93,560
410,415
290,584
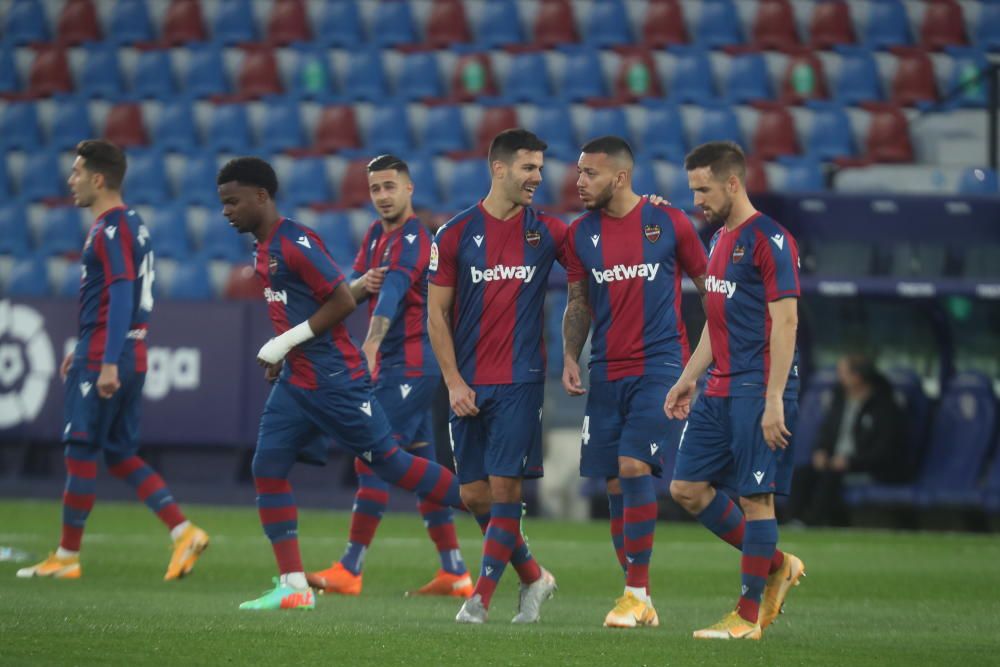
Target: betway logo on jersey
271,296
718,286
623,272
501,272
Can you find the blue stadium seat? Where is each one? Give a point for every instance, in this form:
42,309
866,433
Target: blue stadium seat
420,77
13,230
718,24
61,233
168,232
888,24
311,76
206,73
308,183
858,80
909,391
678,192
607,24
176,129
191,281
145,178
663,134
388,130
70,123
365,76
5,186
29,278
830,136
607,121
426,192
100,75
748,79
802,174
988,27
229,129
197,186
9,82
221,241
976,181
582,76
528,78
394,23
644,177
719,123
334,228
68,285
153,76
813,406
554,125
282,127
130,22
967,63
25,23
500,24
340,24
693,80
234,23
42,178
19,127
444,130
470,181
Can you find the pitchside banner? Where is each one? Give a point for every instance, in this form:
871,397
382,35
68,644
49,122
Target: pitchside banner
203,386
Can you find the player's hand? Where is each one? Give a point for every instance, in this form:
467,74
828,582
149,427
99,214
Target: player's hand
657,200
463,400
272,352
374,279
678,403
773,424
107,381
272,371
64,366
571,378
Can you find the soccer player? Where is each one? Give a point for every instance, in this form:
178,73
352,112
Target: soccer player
105,373
738,435
390,272
625,258
321,384
489,268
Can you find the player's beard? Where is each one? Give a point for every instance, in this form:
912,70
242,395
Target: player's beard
720,216
601,200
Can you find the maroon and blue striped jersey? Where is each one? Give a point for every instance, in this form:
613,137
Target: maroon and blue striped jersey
748,267
118,247
298,276
406,251
633,267
499,270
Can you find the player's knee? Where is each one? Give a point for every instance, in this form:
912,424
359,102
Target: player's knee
475,499
686,495
629,467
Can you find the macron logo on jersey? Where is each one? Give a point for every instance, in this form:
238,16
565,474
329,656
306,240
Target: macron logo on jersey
779,240
111,231
410,238
303,241
622,272
271,296
501,272
719,286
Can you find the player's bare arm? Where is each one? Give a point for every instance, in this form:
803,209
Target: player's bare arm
576,328
334,310
680,396
784,323
377,330
439,326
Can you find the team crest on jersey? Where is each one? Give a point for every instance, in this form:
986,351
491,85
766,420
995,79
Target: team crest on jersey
533,238
738,253
652,233
272,265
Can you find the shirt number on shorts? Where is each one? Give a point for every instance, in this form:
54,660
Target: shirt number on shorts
585,432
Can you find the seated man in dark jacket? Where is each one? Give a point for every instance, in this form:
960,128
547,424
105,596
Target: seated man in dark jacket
862,433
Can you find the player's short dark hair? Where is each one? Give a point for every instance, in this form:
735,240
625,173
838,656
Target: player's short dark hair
611,145
249,171
388,161
104,158
723,158
506,144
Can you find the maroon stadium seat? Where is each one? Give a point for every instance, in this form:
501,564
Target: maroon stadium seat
664,24
337,129
637,78
258,75
943,25
494,121
569,195
831,25
124,125
888,135
447,24
49,72
555,24
183,22
775,134
914,80
473,77
756,175
354,186
774,25
804,78
78,23
288,23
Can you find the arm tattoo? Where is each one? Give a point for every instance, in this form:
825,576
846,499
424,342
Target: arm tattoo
378,328
576,320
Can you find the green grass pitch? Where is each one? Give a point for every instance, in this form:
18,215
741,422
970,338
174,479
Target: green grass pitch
869,598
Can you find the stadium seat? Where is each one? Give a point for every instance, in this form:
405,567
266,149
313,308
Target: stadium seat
774,25
662,135
472,77
914,81
756,175
124,126
25,23
19,127
168,231
831,24
145,181
14,238
775,135
499,25
100,75
643,176
527,78
61,233
29,277
364,78
693,80
444,130
288,23
229,129
353,189
420,77
663,24
607,24
281,128
191,281
802,175
554,125
470,181
943,25
888,135
78,23
830,136
197,184
183,23
206,73
988,26
748,79
220,241
967,64
977,181
153,76
888,24
6,191
70,123
242,284
804,78
308,183
311,76
582,77
340,25
258,74
426,193
9,81
388,130
68,285
49,73
334,229
175,129
637,77
815,402
718,25
555,24
678,192
858,79
393,21
719,123
606,121
130,22
447,24
567,192
41,177
337,129
234,23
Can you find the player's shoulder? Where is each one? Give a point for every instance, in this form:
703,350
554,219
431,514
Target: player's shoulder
413,227
584,219
767,226
458,222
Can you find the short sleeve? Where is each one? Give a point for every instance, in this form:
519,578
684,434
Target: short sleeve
777,257
308,258
443,261
361,259
113,245
690,250
574,267
409,253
